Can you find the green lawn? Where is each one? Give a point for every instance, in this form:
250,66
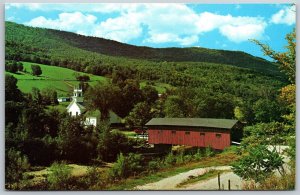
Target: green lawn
58,78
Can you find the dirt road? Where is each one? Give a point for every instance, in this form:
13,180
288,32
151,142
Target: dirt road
170,183
212,184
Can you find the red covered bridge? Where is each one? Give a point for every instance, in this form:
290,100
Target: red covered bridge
200,132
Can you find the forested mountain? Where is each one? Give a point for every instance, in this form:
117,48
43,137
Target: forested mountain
206,84
53,46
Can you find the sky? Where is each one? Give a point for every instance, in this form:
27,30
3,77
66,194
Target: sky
215,26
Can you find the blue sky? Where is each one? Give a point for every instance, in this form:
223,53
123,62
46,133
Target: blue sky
217,26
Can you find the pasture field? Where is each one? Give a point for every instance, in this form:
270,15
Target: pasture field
61,79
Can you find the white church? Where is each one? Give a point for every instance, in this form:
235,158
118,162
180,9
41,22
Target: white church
76,107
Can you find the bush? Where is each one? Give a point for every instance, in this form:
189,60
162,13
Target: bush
258,164
209,152
93,180
188,158
154,165
11,66
180,158
118,170
59,176
284,182
170,159
126,166
198,155
36,70
15,165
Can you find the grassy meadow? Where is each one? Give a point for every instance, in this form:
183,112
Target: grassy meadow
58,78
62,79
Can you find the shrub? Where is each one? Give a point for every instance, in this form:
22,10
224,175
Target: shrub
209,152
36,70
118,170
198,155
59,176
170,159
180,158
284,182
154,165
258,164
15,165
126,166
188,158
93,180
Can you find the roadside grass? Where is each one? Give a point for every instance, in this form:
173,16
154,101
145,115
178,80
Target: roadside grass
193,179
274,182
225,158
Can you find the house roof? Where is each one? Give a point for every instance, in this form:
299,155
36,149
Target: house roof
81,107
193,122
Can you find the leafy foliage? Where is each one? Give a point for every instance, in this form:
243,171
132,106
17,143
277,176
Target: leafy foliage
126,166
36,70
286,60
59,176
140,115
76,143
15,165
12,93
102,97
258,164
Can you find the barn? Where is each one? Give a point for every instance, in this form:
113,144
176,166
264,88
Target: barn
200,132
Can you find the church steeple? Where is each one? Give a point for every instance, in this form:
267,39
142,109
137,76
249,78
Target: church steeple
78,94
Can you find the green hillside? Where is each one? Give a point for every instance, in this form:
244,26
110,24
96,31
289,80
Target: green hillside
61,79
81,53
194,54
204,73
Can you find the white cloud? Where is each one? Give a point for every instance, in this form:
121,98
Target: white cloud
78,7
169,37
243,32
165,23
76,22
122,29
286,15
181,24
30,6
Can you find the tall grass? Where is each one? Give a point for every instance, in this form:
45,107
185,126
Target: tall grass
284,182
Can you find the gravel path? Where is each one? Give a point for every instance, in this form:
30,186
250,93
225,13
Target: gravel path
170,183
212,184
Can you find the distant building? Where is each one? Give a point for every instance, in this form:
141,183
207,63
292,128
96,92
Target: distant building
76,107
63,99
91,121
200,132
